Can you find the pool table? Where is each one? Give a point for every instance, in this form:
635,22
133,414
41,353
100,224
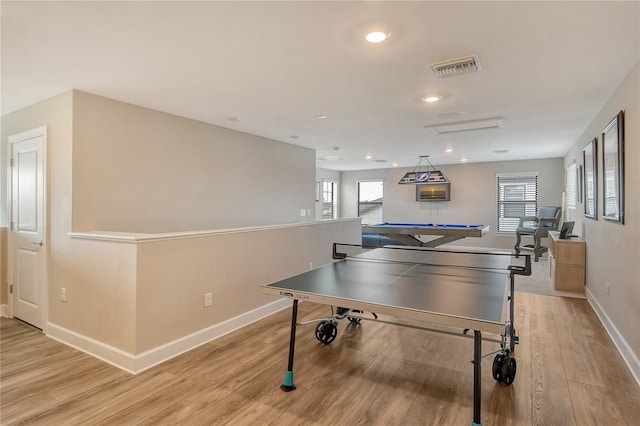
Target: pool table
407,233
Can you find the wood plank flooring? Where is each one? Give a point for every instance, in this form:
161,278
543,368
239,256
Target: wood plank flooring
569,373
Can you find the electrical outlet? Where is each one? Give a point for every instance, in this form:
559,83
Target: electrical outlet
607,286
310,265
303,212
63,294
208,299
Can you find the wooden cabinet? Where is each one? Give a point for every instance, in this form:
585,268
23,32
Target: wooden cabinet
567,263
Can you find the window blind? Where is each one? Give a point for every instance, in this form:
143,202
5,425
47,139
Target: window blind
517,196
571,183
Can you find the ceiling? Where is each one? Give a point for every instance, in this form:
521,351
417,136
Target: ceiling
272,68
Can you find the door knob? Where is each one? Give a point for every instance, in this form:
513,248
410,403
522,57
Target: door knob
36,243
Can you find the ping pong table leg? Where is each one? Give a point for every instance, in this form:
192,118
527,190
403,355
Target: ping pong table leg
477,382
288,385
513,338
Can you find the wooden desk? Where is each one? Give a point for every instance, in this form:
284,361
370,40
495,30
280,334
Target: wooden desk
567,260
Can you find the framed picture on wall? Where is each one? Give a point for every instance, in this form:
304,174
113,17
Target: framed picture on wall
613,169
589,156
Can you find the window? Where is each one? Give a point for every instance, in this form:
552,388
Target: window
329,204
517,196
370,202
571,183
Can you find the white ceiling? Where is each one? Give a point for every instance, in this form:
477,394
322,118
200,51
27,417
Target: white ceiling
547,69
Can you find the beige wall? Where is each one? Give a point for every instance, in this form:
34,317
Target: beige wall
140,170
135,300
473,195
100,279
613,250
69,262
173,275
56,114
123,168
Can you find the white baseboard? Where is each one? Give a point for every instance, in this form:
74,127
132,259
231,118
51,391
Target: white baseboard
107,353
630,358
137,363
4,310
162,353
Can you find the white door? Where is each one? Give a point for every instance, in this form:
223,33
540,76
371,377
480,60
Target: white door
27,259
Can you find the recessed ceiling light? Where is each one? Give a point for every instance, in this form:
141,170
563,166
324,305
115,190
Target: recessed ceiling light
395,164
376,37
448,150
321,117
432,98
463,160
368,157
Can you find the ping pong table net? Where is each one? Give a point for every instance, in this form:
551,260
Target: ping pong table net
515,266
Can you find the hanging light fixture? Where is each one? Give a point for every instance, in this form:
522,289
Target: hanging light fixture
418,176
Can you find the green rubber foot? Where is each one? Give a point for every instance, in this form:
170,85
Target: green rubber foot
288,385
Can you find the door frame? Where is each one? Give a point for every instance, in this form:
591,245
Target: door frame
19,137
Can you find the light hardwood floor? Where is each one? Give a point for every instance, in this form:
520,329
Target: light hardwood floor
569,373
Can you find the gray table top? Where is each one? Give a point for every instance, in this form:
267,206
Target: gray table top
447,287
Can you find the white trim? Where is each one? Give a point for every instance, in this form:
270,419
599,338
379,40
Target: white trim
371,180
137,363
107,353
137,238
4,310
162,353
517,174
630,358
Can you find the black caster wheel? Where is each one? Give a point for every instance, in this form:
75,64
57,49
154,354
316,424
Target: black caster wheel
354,320
496,369
508,370
326,332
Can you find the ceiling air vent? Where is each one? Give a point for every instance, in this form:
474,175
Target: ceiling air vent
455,67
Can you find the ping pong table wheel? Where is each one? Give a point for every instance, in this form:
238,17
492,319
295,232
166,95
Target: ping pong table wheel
496,368
508,370
353,320
326,332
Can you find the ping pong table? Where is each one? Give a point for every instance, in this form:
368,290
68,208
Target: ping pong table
408,233
456,291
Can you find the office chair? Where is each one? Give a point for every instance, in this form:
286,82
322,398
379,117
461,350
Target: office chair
538,227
